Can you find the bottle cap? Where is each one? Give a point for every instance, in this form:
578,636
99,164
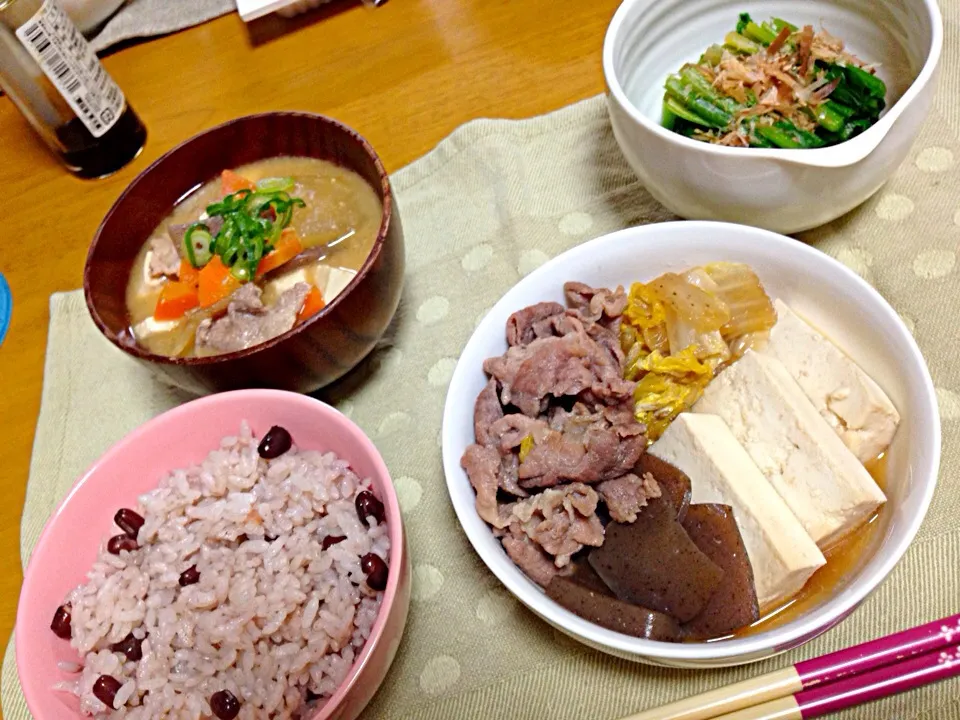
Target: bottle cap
6,306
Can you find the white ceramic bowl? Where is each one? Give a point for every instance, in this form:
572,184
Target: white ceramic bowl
830,295
782,190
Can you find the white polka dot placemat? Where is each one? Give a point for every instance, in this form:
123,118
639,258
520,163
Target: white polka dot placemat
487,206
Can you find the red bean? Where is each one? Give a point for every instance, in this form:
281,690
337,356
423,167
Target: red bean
376,571
190,576
331,540
106,688
225,705
61,622
275,443
128,521
121,542
369,506
129,646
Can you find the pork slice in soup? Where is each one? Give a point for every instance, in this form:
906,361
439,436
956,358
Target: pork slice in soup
250,255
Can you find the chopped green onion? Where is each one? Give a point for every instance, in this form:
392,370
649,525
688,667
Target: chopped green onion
241,272
276,184
252,223
198,245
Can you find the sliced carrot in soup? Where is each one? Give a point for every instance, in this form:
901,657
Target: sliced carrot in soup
230,182
176,298
287,248
188,274
313,304
216,282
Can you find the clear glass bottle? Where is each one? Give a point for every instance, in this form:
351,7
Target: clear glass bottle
56,80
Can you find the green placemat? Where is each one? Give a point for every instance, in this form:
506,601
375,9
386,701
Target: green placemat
488,205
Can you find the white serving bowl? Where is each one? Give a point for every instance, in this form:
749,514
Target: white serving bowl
826,292
782,190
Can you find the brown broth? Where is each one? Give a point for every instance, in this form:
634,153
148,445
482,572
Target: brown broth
342,211
842,559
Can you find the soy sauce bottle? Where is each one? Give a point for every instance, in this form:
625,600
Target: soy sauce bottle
57,82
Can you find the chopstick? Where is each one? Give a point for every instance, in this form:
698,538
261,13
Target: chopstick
787,684
858,689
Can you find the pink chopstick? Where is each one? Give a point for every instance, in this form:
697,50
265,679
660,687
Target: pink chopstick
877,653
858,689
808,675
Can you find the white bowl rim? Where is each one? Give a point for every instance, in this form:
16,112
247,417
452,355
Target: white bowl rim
840,155
786,636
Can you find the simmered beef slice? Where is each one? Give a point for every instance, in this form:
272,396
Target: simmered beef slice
606,611
488,426
653,562
575,363
624,496
586,450
581,446
508,432
575,422
673,483
608,340
507,479
734,605
535,321
486,411
528,556
248,322
164,258
561,520
593,304
482,464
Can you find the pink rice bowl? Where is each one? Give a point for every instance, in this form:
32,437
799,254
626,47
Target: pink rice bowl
180,438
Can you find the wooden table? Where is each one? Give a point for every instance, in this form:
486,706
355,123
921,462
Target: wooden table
404,75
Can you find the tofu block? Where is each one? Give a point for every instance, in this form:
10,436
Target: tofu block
286,281
328,279
783,556
822,482
332,280
845,396
152,326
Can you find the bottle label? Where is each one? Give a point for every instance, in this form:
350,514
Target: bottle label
73,68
